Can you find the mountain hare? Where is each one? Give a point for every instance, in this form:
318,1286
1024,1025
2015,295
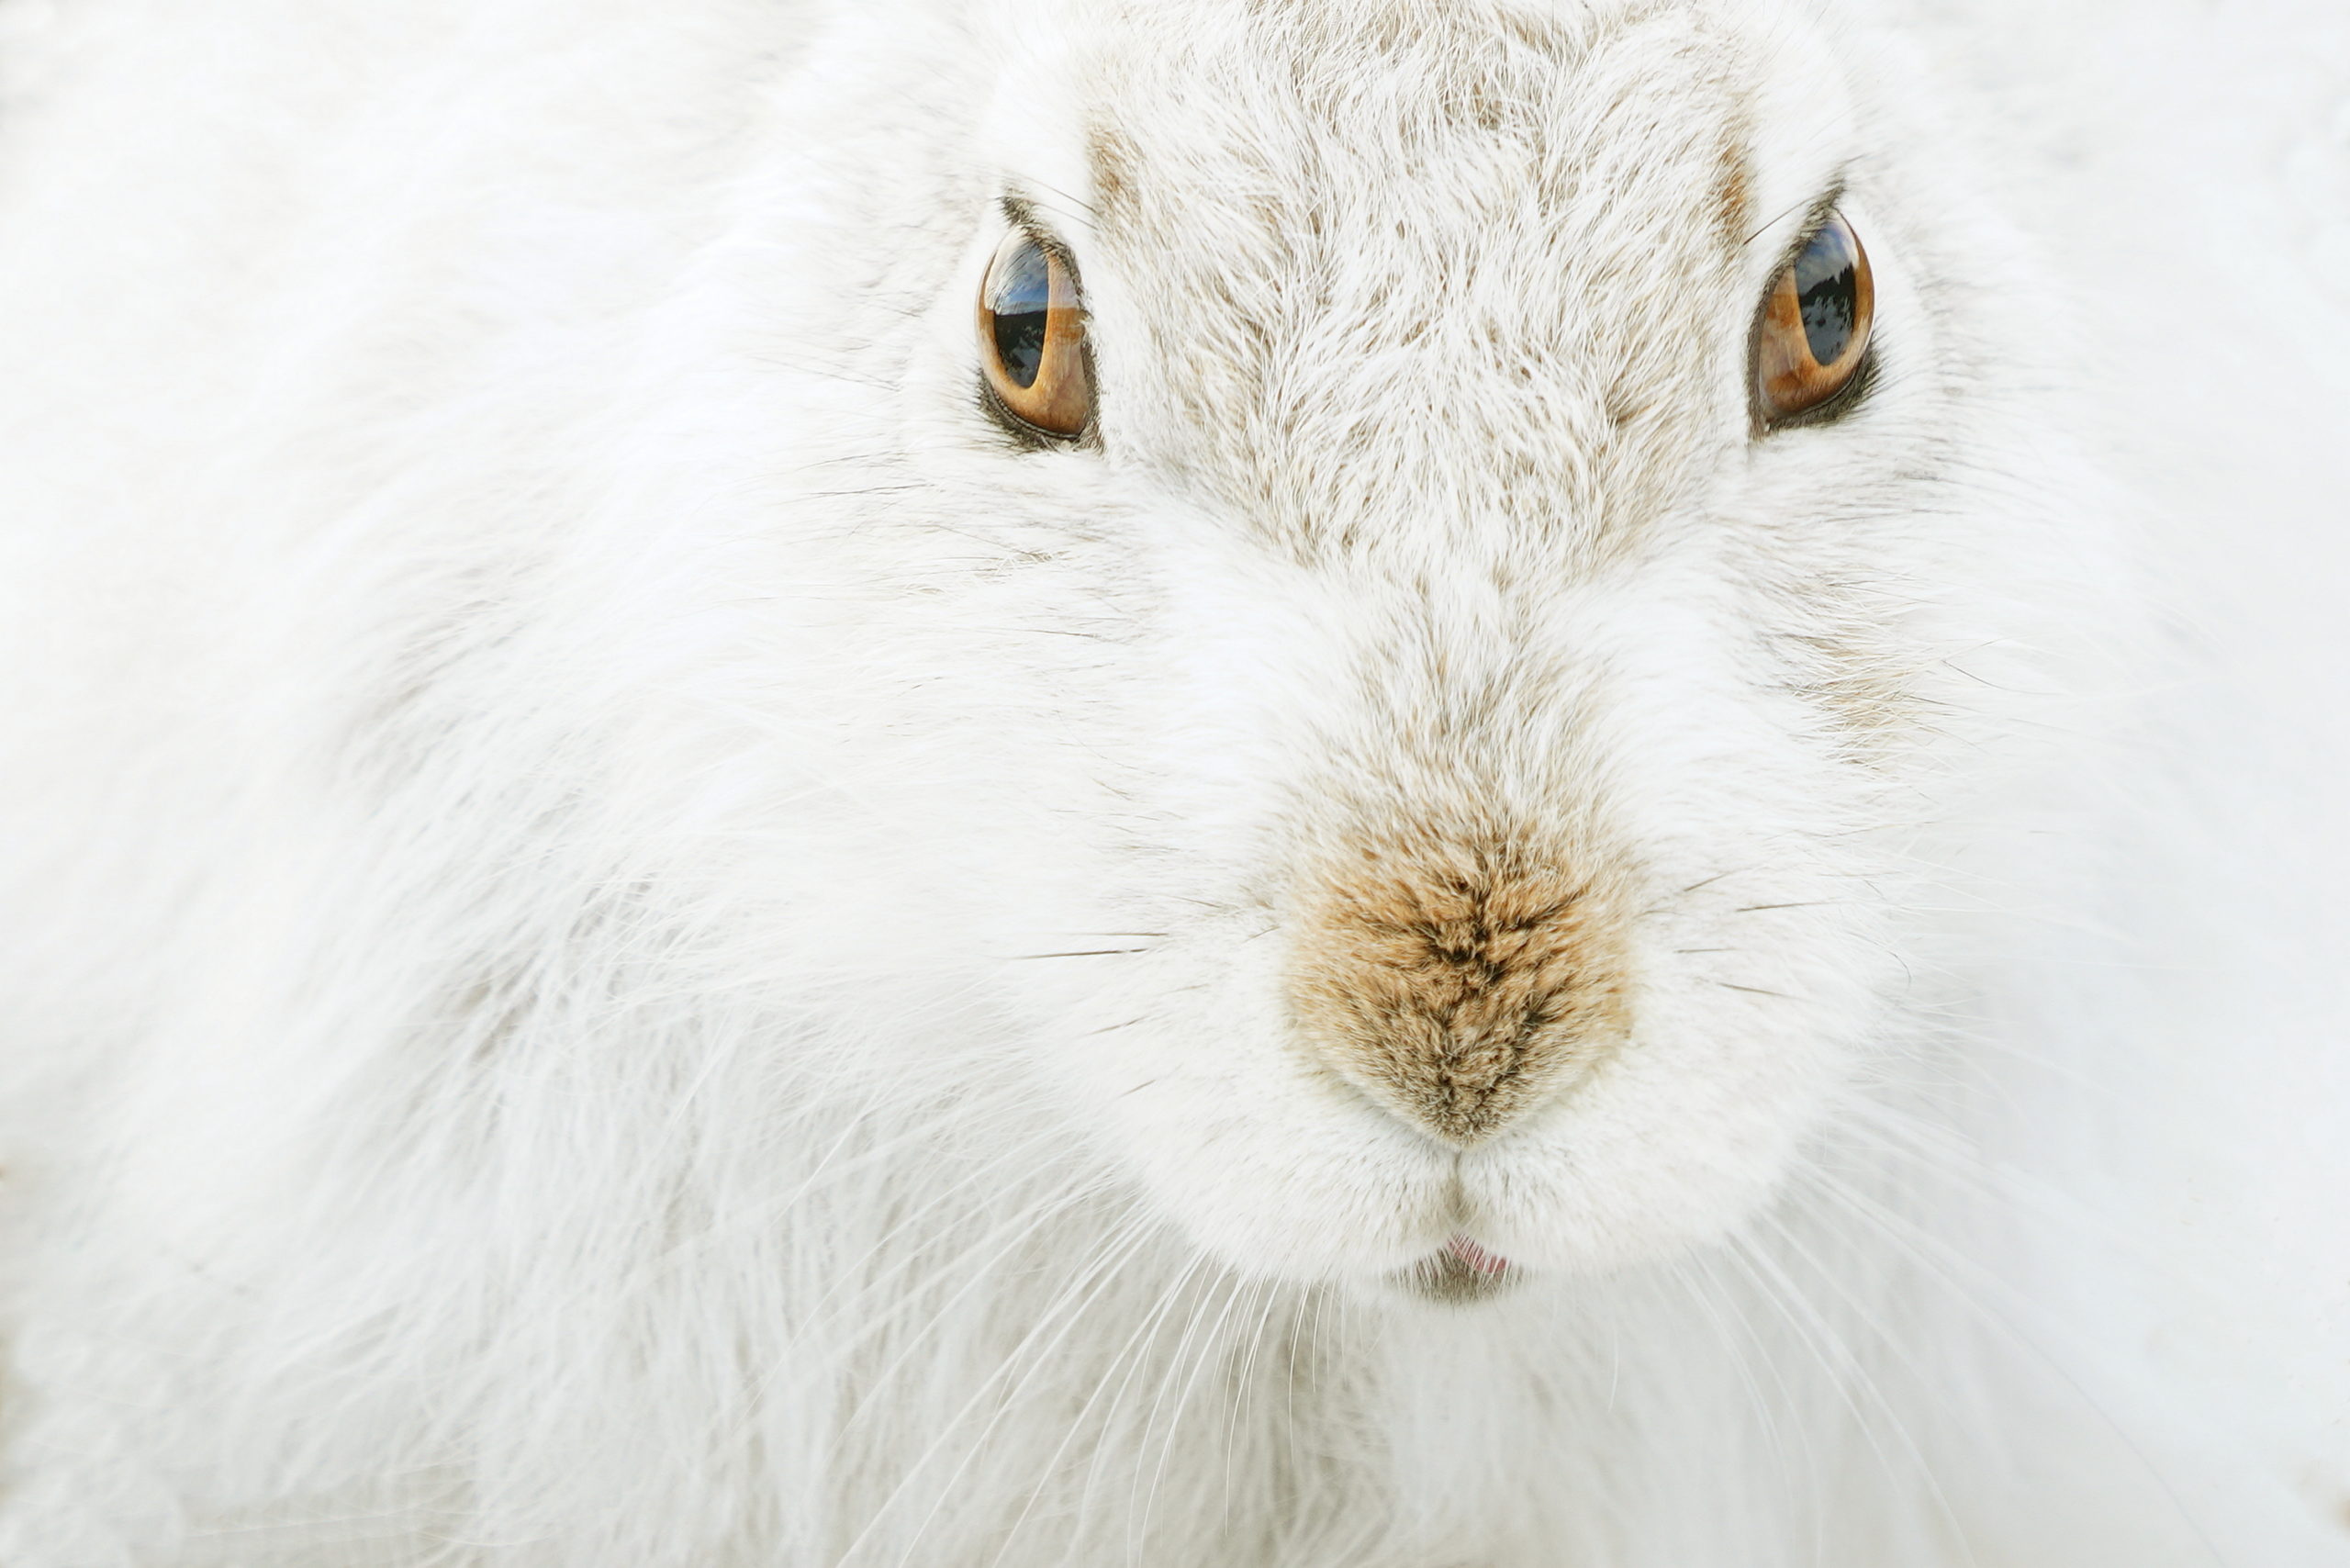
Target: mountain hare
1211,784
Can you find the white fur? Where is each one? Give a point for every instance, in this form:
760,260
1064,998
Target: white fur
554,741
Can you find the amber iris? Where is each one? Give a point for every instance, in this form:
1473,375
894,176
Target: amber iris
1812,339
1032,339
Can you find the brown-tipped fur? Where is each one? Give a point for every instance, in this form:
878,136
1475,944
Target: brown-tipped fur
1460,979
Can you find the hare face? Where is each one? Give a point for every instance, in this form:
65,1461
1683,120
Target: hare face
1418,754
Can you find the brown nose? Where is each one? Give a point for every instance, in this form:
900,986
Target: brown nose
1458,982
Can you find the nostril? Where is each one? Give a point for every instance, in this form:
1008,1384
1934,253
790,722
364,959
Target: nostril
1462,984
1459,1078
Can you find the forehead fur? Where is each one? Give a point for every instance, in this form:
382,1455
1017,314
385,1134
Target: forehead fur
1380,248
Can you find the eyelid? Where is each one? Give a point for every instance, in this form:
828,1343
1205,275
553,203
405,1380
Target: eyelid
1828,204
1021,214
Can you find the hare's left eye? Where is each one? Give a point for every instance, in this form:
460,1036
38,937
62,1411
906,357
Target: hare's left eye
1811,342
1031,339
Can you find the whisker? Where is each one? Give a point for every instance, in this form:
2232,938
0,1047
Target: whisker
1085,953
1756,991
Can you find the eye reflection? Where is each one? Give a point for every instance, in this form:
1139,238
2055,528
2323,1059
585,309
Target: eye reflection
1827,286
1020,297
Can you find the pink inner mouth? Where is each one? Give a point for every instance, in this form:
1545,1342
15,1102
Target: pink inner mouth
1475,1257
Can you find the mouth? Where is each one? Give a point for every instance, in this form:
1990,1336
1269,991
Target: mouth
1459,1272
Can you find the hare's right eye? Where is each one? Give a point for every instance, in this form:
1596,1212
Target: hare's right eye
1031,339
1811,340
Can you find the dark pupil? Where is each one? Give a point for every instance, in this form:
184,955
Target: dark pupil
1825,285
1023,294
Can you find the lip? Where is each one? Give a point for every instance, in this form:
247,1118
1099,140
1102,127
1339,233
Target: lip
1473,1257
1459,1272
